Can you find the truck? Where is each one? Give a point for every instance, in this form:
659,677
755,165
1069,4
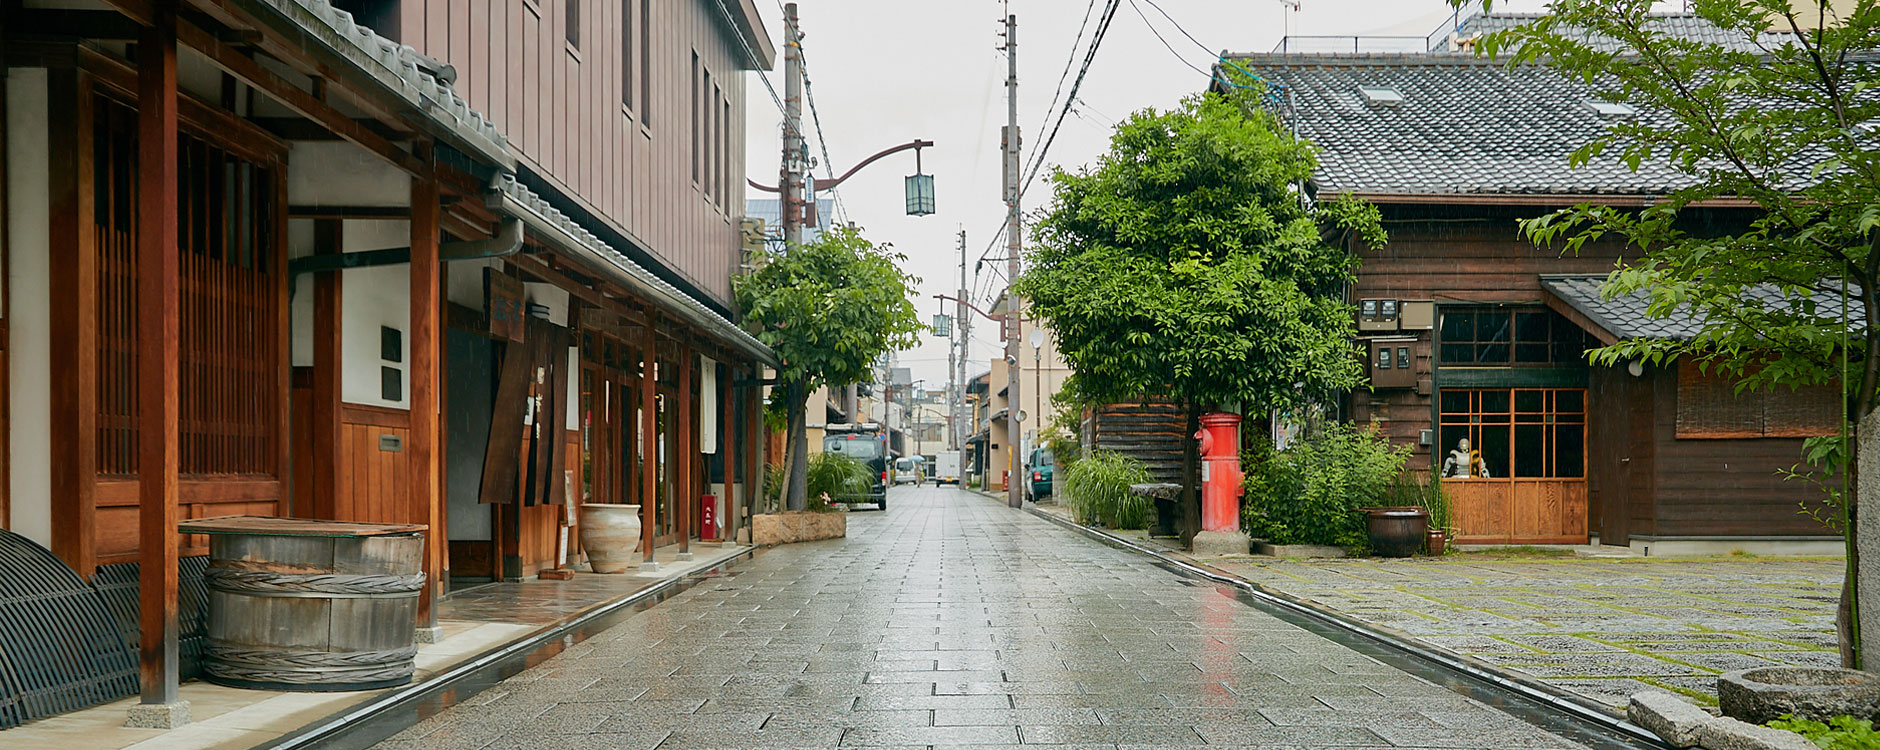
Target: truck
867,443
946,468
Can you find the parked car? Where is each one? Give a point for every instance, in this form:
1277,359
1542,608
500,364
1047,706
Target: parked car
1039,468
862,441
907,469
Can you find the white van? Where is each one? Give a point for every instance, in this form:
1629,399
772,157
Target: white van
907,469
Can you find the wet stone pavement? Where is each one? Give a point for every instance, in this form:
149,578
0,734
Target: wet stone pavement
953,621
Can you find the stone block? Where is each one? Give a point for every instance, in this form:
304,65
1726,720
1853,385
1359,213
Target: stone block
158,715
1263,547
1724,733
1667,715
1761,694
1220,543
772,529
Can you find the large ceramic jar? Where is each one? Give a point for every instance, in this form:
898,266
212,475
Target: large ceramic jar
610,533
1397,531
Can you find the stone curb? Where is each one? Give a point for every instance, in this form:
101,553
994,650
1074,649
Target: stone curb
1685,725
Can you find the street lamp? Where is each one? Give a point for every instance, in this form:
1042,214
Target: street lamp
1037,380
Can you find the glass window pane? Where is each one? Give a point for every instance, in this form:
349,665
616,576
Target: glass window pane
1461,354
1491,354
1455,402
1530,450
1530,353
1570,402
1570,352
1495,401
1491,327
1454,464
1530,401
1458,325
1531,326
1494,447
1570,451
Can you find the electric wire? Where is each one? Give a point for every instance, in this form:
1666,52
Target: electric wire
1090,56
1158,37
809,95
1178,25
1069,60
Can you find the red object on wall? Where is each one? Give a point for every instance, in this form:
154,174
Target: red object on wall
710,521
1221,478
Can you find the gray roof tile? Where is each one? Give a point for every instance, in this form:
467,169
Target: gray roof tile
1626,316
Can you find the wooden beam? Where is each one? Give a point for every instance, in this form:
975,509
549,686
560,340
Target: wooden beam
301,129
158,355
73,24
301,102
424,448
349,212
728,451
649,437
328,362
74,288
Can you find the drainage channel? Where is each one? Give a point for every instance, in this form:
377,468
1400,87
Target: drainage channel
1560,716
368,724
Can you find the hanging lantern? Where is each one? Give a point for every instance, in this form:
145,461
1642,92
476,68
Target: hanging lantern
919,190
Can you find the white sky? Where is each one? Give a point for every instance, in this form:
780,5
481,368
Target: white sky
884,72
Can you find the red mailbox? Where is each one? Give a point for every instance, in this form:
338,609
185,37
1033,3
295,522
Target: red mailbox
1221,477
710,521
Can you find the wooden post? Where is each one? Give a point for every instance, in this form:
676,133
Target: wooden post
649,426
755,447
158,360
685,450
324,416
425,443
74,285
728,455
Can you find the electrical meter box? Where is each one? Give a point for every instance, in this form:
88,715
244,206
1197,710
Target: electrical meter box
1416,315
1393,363
1377,315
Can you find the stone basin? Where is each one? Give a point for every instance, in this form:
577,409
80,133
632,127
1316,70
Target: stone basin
1761,694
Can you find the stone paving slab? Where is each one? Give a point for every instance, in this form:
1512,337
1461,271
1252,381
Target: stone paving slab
1601,628
952,621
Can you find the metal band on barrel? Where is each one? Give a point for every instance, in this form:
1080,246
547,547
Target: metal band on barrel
276,658
313,585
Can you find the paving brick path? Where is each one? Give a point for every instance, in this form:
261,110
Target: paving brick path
1601,628
949,621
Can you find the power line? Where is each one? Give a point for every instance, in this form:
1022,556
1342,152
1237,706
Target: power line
1158,36
1068,61
1178,25
1090,55
809,94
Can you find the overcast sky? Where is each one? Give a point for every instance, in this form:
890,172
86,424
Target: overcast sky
884,72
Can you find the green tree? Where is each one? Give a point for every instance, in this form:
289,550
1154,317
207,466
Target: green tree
1189,264
829,308
1781,121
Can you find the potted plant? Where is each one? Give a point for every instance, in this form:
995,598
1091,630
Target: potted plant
1435,501
610,533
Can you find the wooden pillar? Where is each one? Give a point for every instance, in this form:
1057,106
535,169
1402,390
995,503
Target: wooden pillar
158,354
685,449
728,453
426,443
324,412
649,434
755,445
73,281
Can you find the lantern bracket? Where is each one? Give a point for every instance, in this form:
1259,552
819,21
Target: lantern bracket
822,185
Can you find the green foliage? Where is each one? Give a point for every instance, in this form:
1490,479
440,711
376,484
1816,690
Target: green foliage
830,308
1421,491
1187,264
1840,733
832,476
1097,489
1310,493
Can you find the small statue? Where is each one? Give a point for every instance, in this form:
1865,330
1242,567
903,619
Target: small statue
1464,462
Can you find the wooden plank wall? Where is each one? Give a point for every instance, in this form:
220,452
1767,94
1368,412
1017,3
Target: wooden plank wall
373,484
1620,455
1150,432
1722,487
560,106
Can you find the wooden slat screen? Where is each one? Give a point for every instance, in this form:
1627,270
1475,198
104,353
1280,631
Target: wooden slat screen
1709,407
230,394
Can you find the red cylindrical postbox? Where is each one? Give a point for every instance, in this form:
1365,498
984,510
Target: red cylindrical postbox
1220,472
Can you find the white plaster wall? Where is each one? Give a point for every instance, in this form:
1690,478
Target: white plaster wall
551,296
463,282
574,389
337,173
707,405
29,370
374,297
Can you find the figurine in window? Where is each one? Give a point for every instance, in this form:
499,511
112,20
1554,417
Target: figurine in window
1464,462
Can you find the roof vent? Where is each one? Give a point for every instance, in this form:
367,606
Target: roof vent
1381,95
1612,109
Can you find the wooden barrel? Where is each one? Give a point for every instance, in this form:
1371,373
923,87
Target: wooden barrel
307,612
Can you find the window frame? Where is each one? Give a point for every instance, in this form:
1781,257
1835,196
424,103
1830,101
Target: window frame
1479,420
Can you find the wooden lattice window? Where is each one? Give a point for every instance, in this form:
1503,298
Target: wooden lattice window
1514,432
1709,407
1496,337
231,342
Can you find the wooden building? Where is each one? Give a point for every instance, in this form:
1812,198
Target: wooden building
462,263
1472,333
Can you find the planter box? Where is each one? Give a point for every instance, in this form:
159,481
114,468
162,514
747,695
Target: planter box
1262,547
772,529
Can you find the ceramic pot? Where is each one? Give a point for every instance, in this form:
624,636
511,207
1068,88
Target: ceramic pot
1397,531
610,533
1438,542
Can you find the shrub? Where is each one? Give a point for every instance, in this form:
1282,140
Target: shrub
1840,733
831,476
1310,493
1097,488
1424,492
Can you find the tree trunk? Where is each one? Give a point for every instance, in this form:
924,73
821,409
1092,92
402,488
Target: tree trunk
1191,475
797,497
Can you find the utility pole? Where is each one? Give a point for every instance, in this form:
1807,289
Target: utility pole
957,358
790,189
1014,497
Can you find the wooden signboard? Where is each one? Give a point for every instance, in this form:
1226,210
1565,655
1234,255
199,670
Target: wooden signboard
502,300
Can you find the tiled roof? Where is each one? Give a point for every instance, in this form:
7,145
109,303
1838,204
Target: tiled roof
1678,25
1626,315
401,70
1465,126
634,275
